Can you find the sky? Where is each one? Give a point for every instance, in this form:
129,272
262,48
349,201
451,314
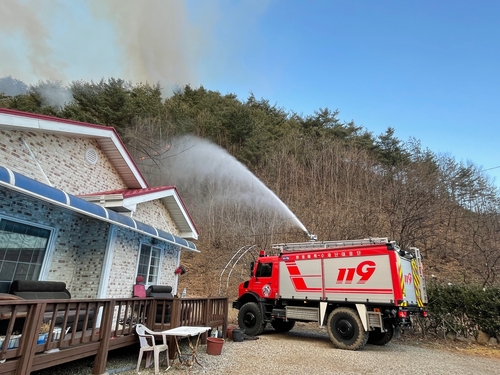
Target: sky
428,69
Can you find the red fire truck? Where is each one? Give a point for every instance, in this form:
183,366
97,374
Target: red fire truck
363,290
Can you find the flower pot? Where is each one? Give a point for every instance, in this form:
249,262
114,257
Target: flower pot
13,342
42,338
214,345
229,331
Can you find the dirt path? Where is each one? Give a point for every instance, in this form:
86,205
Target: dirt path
304,352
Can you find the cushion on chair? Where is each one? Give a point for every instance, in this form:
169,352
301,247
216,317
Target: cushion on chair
159,291
139,291
29,289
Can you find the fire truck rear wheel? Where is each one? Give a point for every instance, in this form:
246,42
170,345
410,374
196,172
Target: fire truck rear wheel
346,329
377,337
250,319
283,325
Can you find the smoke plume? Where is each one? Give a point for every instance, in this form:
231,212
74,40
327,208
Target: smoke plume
157,39
148,41
26,20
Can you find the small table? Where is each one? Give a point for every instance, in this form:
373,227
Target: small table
188,332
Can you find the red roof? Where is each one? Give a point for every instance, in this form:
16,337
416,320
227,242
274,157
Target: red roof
129,193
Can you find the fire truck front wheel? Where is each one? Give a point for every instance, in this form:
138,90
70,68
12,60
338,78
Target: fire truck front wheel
250,319
346,329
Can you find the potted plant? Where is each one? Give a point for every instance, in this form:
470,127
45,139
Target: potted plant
13,342
43,332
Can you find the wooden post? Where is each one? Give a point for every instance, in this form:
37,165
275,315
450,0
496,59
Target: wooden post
30,337
225,311
105,333
175,321
207,310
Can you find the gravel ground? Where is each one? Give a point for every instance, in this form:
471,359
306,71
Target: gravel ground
303,351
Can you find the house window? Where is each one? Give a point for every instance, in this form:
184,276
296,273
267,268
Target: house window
22,249
149,263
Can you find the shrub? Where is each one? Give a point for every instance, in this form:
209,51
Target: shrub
463,309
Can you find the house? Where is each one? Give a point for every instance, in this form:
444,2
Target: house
74,207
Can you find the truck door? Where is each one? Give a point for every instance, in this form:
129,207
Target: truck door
265,284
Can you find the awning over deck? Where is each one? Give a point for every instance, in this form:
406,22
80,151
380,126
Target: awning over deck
28,186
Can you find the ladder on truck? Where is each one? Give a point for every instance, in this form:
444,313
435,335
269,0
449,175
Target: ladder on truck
316,245
422,286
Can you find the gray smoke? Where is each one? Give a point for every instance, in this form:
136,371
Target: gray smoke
157,38
154,41
53,93
147,41
12,86
26,19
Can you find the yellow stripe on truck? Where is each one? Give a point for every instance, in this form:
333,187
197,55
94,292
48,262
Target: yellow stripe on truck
401,282
416,282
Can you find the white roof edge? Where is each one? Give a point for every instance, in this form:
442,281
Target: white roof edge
171,192
185,214
130,162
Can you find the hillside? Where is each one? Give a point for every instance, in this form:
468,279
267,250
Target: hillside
340,180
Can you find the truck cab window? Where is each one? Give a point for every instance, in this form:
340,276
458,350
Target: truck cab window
264,270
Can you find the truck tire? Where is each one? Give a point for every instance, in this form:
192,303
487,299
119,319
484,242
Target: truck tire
346,329
377,337
283,325
250,319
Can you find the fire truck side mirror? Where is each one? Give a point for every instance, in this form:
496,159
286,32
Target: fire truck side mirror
252,264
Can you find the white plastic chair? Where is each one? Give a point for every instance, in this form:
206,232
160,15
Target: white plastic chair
148,345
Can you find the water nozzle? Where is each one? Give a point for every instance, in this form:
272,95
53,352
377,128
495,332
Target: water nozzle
312,237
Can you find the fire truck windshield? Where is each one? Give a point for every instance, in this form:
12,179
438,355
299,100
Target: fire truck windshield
264,270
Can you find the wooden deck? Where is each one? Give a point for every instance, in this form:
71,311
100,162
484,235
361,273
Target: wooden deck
83,328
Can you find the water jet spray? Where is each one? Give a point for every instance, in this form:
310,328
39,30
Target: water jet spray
203,169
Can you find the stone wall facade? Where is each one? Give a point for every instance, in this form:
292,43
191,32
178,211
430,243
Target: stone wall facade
62,160
125,258
76,253
155,214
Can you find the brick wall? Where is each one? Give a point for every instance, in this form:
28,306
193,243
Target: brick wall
89,259
80,246
79,243
168,276
61,158
124,263
155,213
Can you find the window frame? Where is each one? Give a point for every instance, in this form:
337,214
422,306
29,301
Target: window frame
49,247
160,262
264,266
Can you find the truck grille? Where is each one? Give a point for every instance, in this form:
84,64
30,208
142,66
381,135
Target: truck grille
374,319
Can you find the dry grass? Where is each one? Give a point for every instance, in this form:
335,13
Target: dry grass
467,347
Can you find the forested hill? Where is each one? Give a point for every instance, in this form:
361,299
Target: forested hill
339,179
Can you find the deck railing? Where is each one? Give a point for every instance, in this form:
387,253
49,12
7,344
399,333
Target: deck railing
74,329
